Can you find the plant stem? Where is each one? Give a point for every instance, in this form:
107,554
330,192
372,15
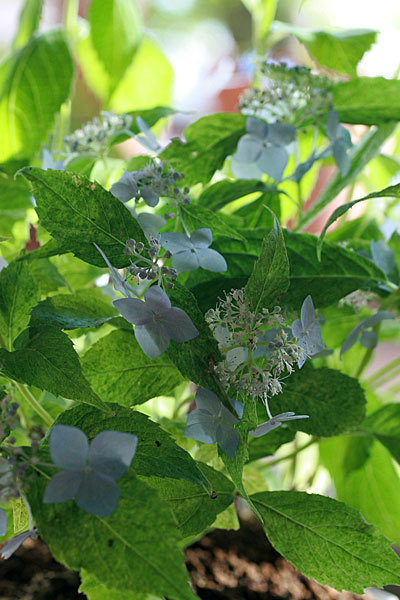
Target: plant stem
33,403
71,15
367,356
383,370
276,461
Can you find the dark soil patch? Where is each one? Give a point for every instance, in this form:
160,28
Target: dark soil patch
224,565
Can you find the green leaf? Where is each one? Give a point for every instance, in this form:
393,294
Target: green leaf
195,358
198,216
115,31
20,516
157,454
95,590
334,401
340,271
37,84
125,549
270,276
384,425
372,486
130,377
327,540
194,509
219,194
392,191
47,276
46,359
78,212
85,308
339,50
14,195
150,115
29,19
208,142
150,76
360,156
18,294
367,100
267,445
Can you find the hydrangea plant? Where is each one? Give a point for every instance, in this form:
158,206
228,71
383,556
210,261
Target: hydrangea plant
177,311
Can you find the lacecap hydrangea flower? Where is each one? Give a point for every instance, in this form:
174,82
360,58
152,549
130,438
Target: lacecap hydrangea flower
212,422
89,472
190,253
156,321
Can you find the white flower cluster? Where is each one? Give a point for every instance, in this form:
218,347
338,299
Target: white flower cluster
258,348
293,96
95,135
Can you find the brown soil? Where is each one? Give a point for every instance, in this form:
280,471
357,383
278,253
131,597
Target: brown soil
234,565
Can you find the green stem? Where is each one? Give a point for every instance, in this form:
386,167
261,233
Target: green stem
71,15
314,440
33,403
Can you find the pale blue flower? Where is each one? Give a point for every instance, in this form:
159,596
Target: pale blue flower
89,472
212,423
189,253
369,339
275,422
307,330
156,321
125,188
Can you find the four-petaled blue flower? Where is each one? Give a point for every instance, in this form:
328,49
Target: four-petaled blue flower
156,321
307,330
275,422
211,422
189,253
89,473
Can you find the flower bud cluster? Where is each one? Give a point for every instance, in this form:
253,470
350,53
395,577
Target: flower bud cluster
14,463
163,181
357,299
95,135
146,262
258,348
294,96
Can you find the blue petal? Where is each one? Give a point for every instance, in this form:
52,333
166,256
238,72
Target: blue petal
227,438
3,522
111,452
297,329
332,125
207,400
69,447
342,159
238,406
134,310
313,339
157,300
201,433
152,338
201,238
186,260
201,416
98,494
179,325
13,545
307,312
273,161
175,242
63,486
369,339
265,428
249,149
149,196
211,260
245,170
257,127
226,415
281,134
351,339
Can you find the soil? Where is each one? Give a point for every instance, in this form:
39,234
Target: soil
234,565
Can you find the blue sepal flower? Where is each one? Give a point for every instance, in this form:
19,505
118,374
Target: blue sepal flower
3,522
125,188
89,472
189,253
275,422
156,321
307,330
212,423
